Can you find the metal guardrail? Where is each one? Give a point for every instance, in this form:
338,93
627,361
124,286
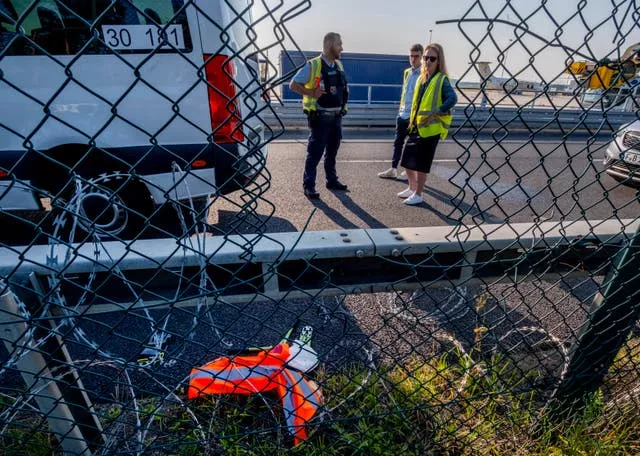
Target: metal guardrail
364,260
470,117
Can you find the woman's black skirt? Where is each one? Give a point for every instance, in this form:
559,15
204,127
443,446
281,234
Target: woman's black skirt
418,153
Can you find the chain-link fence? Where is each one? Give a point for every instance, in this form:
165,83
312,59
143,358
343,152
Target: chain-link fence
132,324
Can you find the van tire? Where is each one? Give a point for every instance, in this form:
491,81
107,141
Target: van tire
109,207
171,216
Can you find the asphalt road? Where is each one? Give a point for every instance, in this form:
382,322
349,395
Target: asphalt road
472,181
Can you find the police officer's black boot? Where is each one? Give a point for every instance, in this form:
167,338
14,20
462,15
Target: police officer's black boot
311,193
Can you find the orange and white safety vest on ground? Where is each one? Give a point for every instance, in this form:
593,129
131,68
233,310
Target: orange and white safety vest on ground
257,373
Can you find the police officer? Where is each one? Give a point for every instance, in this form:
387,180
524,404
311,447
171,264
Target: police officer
323,86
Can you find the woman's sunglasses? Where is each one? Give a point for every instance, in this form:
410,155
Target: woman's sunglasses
430,58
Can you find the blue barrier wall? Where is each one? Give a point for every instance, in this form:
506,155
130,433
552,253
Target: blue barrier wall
360,69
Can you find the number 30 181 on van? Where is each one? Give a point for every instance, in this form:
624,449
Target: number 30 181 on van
111,109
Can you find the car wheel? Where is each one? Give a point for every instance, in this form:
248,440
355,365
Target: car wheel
109,207
180,219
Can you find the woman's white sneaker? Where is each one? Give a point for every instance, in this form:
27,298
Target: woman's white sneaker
413,200
405,193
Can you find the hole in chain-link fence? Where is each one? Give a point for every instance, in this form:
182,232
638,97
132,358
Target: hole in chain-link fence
133,323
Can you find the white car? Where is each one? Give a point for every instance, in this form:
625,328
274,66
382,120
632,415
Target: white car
111,108
622,158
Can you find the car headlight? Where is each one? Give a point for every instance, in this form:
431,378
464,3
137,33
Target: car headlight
630,139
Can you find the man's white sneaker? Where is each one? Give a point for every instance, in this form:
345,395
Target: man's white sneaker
413,200
402,177
405,193
391,173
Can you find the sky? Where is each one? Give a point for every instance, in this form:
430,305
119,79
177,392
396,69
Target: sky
390,27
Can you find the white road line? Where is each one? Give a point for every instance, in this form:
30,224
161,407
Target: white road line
387,161
390,141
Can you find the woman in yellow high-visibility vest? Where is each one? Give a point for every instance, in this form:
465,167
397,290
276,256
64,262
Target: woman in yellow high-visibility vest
430,120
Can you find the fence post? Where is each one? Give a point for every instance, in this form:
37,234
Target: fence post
612,316
67,410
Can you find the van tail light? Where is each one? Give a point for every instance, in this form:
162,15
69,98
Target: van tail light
223,106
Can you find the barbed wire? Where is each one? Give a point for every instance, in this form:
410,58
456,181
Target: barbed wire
138,295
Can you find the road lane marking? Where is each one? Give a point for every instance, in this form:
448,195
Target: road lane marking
387,161
303,141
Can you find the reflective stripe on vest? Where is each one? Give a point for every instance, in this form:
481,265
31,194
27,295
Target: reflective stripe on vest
429,104
246,374
265,371
234,380
309,103
301,399
407,74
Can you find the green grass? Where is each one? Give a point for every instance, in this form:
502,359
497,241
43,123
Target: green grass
454,404
25,437
446,406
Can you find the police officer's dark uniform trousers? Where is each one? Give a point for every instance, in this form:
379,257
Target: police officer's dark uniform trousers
326,129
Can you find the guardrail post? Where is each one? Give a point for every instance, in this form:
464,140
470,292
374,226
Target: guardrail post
612,317
65,405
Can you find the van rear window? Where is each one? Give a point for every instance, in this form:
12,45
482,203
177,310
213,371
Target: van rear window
70,27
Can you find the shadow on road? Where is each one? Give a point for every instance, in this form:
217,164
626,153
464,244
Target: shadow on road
369,220
334,215
444,217
231,222
464,208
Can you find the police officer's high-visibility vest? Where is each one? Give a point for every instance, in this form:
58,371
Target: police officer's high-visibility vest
407,74
257,373
310,103
430,103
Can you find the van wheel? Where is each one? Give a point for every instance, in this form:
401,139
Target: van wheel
108,207
179,219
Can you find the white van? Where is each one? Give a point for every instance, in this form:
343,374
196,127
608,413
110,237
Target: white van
110,109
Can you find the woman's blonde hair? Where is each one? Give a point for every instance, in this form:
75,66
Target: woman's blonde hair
442,66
